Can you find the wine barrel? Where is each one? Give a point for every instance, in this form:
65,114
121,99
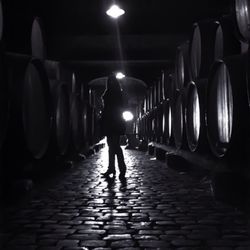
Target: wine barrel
196,115
82,93
38,47
148,100
53,69
151,124
151,97
143,127
182,66
61,117
227,107
91,97
201,48
37,111
179,132
74,88
76,122
169,88
159,122
85,121
14,149
161,90
167,122
156,93
242,15
226,42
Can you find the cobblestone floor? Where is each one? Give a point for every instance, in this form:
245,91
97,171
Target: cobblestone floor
157,208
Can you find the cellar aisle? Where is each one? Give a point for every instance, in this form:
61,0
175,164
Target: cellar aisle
156,208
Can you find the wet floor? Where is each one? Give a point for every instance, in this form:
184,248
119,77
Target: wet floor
155,208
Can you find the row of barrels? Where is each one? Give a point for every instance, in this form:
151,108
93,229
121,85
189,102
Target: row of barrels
205,106
44,110
42,115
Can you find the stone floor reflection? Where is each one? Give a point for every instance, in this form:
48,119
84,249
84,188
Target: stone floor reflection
156,208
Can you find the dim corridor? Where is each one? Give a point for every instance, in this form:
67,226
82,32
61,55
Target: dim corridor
156,208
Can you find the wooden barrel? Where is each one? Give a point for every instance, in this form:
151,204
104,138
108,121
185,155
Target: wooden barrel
242,14
38,47
61,117
179,132
159,122
142,127
74,88
151,124
37,111
53,69
182,66
148,100
161,91
91,97
167,122
226,42
76,85
196,115
85,125
201,48
152,97
76,122
169,88
227,107
156,96
82,92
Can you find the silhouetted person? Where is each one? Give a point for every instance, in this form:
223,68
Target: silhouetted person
113,124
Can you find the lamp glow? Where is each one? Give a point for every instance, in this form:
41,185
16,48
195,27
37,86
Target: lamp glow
127,116
119,75
115,11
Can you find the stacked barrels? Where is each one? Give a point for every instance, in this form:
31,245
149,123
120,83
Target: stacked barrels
211,41
182,76
44,103
155,119
209,96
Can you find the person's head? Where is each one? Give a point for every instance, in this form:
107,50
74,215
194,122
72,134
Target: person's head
113,84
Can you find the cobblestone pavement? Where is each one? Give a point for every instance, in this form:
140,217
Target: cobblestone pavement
157,208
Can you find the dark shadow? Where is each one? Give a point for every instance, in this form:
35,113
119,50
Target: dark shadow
123,183
232,188
110,181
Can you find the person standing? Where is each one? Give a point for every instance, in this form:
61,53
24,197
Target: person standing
113,125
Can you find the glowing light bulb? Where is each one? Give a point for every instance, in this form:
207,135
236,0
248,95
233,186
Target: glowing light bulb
115,11
119,75
127,116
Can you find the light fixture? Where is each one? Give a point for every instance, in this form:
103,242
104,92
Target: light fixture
127,116
119,75
115,11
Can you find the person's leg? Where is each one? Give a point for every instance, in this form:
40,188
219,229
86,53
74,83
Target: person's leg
110,142
111,151
120,156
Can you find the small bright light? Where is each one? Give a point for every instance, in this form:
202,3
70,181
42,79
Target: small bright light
115,11
119,75
127,116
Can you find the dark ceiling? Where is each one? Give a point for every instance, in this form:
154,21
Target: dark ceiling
80,33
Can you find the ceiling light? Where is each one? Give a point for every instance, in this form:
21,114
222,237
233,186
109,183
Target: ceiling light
127,116
119,75
115,11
